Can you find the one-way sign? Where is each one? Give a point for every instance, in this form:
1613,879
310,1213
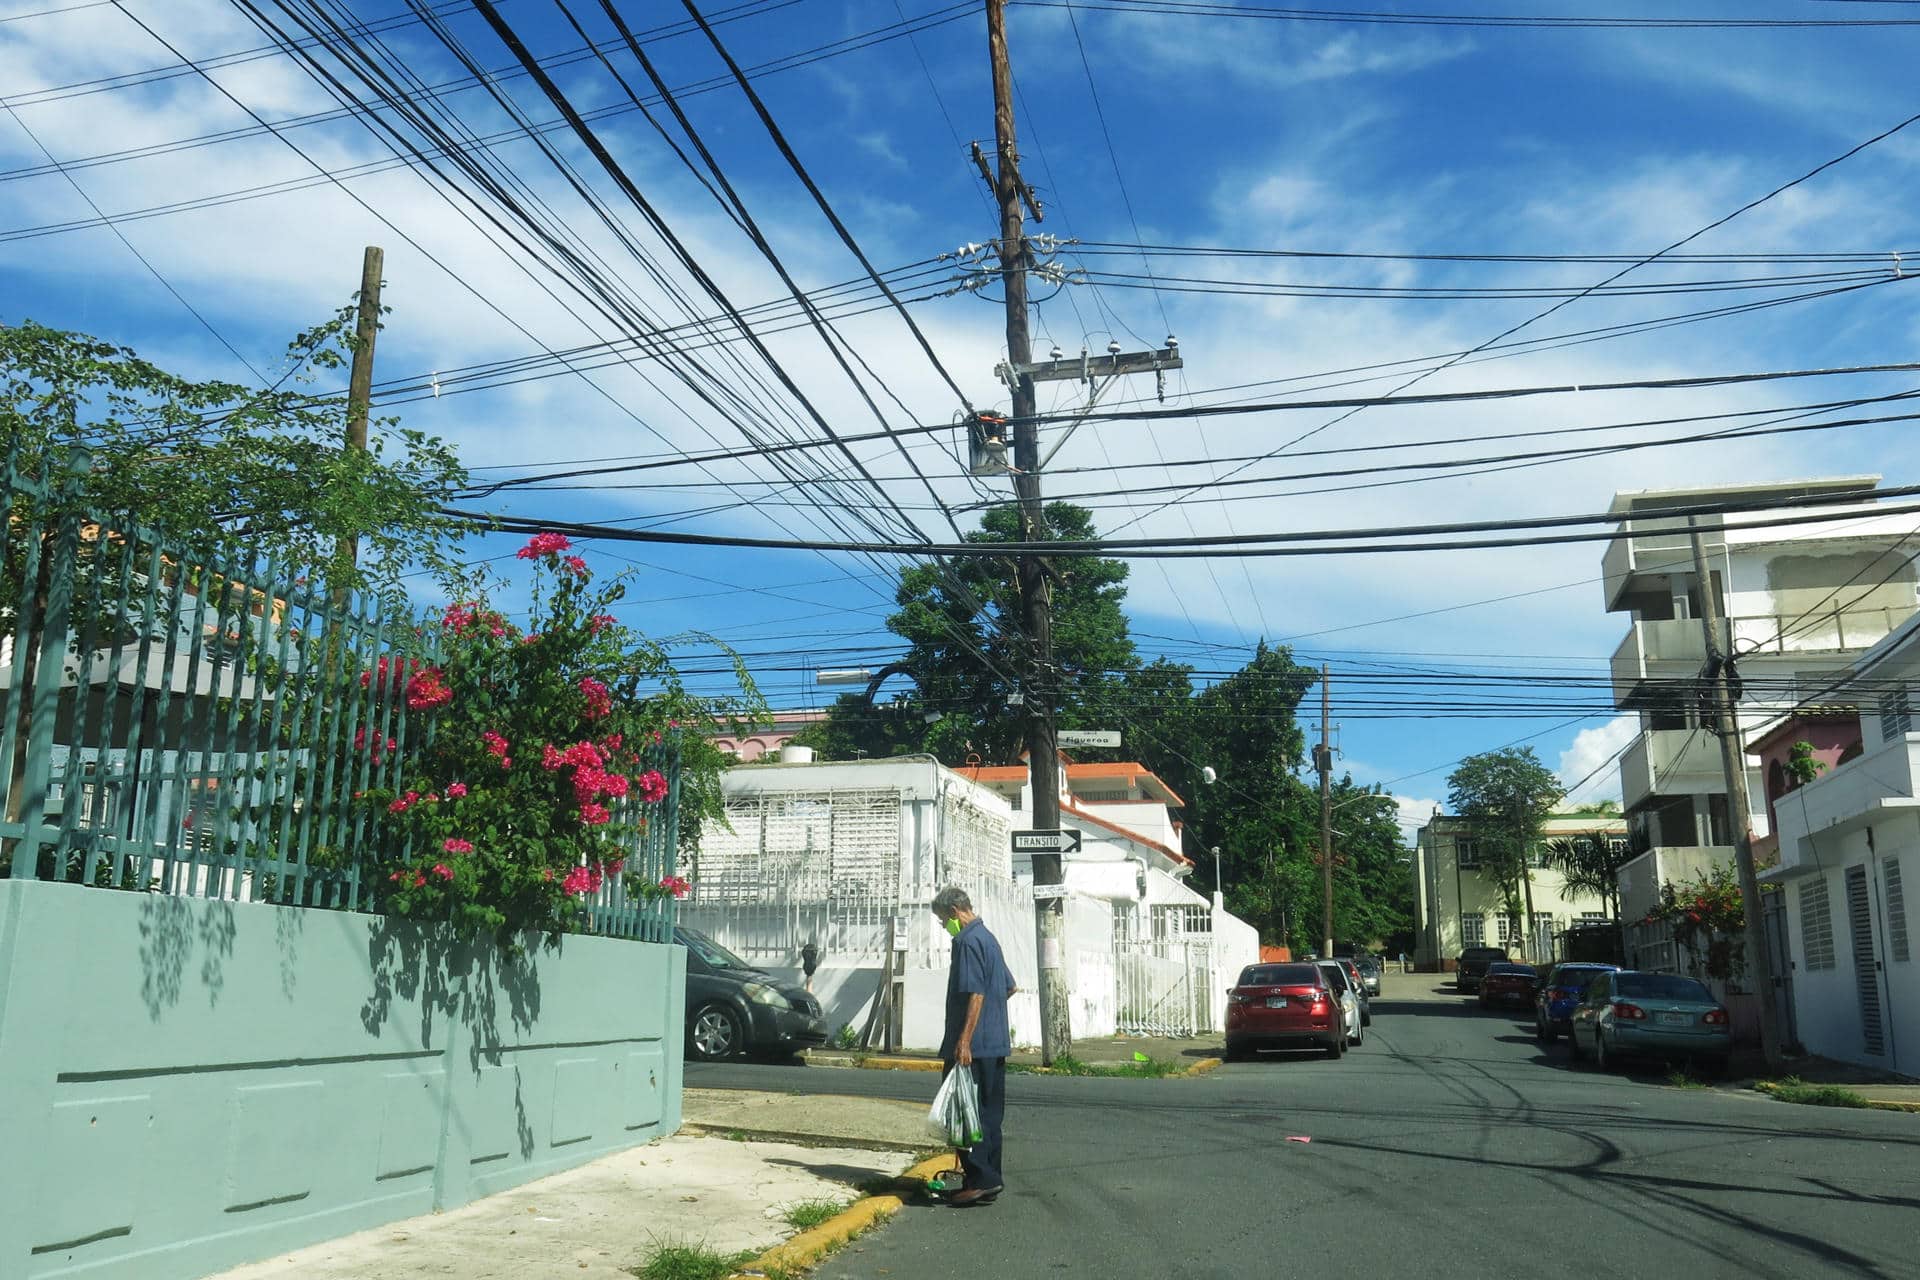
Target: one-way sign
1046,842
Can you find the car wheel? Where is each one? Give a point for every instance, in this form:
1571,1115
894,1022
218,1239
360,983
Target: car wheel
1360,1033
1337,1047
1573,1044
1542,1032
1603,1060
1366,1019
715,1033
1235,1052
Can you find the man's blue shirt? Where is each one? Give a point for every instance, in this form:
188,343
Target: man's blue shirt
978,968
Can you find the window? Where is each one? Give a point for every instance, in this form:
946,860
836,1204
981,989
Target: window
1593,917
1509,931
1816,924
1896,911
1896,713
1467,852
1473,929
1016,799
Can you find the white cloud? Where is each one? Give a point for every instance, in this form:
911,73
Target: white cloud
1414,812
1589,757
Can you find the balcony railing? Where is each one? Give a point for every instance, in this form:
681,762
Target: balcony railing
1668,649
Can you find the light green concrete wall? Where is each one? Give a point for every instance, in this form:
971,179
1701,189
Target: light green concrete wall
186,1084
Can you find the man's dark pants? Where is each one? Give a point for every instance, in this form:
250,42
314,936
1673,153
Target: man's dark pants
981,1162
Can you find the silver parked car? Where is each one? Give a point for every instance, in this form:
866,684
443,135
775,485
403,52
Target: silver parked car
1369,973
1349,999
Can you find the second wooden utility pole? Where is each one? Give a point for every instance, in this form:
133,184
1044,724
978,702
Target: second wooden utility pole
1323,761
1043,754
366,329
1733,761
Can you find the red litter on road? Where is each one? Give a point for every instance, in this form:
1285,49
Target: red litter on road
1299,1137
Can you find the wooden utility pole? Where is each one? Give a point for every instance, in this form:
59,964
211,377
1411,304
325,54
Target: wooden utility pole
1323,761
1726,727
360,383
1043,755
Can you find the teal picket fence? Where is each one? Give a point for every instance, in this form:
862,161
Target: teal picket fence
183,719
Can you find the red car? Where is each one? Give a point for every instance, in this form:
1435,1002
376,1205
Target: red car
1507,983
1283,1006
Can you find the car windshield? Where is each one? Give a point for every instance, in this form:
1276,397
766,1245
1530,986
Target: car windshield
1336,976
1661,986
1524,970
1569,976
710,951
1280,975
1368,964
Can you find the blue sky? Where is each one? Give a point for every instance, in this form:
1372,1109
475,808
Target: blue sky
1324,136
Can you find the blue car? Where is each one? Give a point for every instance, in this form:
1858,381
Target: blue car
1651,1015
1563,987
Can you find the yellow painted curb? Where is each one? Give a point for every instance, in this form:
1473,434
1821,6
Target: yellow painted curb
815,1243
902,1064
1201,1067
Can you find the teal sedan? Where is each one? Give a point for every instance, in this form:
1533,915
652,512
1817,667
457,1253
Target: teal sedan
1631,1014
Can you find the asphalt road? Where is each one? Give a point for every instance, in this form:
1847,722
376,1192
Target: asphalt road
1450,1144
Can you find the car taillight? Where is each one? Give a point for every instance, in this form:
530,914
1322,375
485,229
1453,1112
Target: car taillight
1239,997
1715,1018
1631,1012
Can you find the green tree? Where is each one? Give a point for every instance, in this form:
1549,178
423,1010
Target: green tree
967,656
1506,797
213,460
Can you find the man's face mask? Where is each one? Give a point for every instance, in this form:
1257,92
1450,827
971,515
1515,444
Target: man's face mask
953,926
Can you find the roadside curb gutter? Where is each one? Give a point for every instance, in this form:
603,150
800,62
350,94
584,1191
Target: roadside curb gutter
815,1243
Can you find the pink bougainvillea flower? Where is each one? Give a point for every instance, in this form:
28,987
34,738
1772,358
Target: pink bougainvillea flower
652,786
532,637
495,744
454,844
455,790
594,815
428,689
599,698
442,870
575,565
543,544
600,622
551,757
419,880
676,886
583,880
612,743
614,784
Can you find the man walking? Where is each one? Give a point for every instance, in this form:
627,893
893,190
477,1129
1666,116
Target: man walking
977,1038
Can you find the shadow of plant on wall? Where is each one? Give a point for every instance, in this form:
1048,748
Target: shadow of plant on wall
170,930
456,987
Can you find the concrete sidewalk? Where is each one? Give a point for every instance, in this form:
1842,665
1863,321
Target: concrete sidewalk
602,1219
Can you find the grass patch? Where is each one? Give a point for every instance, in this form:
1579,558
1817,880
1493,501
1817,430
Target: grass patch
807,1214
1684,1079
691,1262
1794,1089
1142,1067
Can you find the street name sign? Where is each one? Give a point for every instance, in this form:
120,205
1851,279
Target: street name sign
1046,842
1088,737
1048,892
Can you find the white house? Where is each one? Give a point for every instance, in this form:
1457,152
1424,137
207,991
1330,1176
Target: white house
834,854
1844,843
1800,602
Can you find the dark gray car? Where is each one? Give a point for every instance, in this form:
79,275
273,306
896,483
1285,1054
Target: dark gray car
1369,967
734,1008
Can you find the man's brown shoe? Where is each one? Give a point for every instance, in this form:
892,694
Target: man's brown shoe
973,1196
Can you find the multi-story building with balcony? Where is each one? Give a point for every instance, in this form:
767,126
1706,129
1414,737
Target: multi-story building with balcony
1799,602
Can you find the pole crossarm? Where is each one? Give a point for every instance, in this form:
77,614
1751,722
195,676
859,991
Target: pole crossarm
1085,367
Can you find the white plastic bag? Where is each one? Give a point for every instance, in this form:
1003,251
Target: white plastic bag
954,1117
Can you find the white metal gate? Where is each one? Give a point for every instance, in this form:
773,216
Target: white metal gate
1163,986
